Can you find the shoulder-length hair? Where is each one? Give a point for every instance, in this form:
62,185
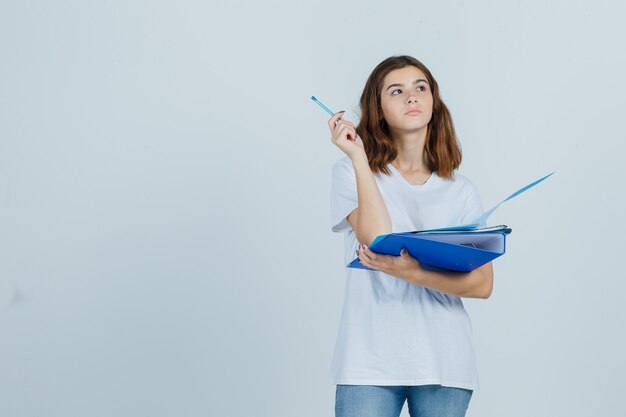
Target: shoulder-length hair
442,151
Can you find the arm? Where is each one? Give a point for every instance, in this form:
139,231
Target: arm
475,284
371,218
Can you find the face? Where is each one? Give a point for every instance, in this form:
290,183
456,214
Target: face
403,90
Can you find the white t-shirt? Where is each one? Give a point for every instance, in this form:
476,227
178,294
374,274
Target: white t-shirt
392,332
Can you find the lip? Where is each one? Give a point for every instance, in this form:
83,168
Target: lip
413,112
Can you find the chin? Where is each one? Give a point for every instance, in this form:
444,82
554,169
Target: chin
413,127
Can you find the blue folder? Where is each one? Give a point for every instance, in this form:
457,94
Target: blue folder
457,248
444,251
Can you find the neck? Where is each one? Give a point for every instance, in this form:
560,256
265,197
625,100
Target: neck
410,146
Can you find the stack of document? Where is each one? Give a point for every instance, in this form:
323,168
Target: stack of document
444,250
457,248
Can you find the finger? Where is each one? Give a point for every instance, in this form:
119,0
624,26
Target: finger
367,263
347,131
333,120
341,120
406,253
370,255
374,265
362,255
349,125
351,133
344,121
338,133
344,131
381,262
367,254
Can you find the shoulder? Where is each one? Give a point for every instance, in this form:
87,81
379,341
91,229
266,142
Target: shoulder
463,180
463,184
345,161
343,166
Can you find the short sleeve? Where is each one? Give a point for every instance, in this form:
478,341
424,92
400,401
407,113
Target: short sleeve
343,195
473,207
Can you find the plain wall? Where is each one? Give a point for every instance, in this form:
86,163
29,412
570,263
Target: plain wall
165,246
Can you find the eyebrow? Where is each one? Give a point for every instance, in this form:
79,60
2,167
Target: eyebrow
402,85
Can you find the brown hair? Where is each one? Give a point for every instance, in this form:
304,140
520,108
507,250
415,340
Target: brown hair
442,150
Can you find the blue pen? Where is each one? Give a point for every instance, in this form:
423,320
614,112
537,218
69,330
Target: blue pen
324,107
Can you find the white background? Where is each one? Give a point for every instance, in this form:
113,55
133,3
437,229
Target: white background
165,246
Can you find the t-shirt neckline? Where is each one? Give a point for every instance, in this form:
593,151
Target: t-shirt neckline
428,181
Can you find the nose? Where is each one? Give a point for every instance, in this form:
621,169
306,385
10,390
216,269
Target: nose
412,99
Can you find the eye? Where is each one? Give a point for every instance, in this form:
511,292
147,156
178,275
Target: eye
420,88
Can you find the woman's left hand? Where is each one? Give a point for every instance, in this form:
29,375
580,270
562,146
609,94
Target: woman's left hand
404,266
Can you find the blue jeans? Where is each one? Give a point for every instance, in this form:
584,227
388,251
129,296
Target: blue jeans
387,401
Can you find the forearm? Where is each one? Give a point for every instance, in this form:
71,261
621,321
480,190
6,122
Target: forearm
373,218
475,284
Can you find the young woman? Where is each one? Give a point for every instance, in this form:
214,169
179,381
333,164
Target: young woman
404,333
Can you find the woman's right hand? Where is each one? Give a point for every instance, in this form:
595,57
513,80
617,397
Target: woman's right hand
343,134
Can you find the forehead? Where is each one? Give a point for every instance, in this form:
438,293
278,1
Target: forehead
403,75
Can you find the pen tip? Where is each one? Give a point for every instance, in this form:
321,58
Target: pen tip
313,98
